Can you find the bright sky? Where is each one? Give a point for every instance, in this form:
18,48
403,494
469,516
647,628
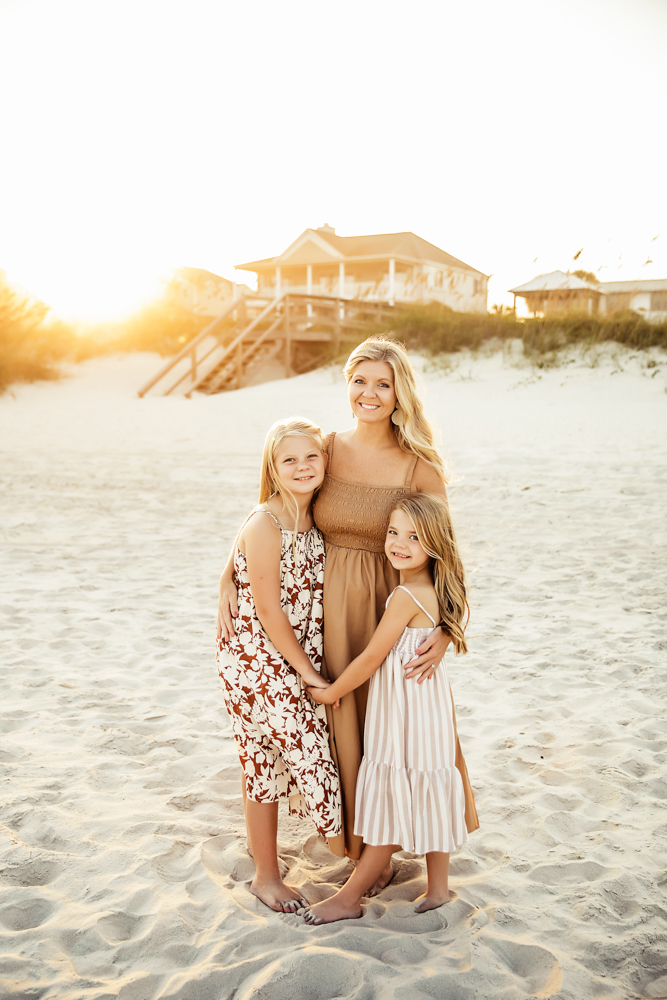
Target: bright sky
142,135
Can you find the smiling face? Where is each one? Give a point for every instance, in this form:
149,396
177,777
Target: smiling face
299,464
371,391
402,547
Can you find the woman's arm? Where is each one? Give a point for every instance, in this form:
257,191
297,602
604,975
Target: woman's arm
262,543
401,609
427,479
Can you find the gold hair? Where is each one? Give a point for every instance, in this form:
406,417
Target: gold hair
269,482
435,531
413,432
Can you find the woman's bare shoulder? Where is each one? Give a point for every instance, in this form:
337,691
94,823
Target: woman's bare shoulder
427,479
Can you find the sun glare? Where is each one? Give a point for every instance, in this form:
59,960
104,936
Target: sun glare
96,294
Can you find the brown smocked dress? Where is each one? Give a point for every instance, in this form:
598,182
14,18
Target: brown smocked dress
358,579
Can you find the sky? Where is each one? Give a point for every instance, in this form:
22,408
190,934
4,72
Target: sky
146,135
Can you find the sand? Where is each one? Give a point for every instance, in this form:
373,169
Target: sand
124,868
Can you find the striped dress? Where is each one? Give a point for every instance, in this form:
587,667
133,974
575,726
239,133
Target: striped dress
409,790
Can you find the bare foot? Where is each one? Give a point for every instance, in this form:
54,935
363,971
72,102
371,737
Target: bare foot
385,878
278,896
432,902
329,910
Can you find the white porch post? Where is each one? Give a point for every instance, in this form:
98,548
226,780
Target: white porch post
309,279
341,280
392,280
277,282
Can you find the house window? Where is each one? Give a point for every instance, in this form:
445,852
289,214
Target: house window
659,301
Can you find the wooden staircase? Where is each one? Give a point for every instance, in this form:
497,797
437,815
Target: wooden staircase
290,327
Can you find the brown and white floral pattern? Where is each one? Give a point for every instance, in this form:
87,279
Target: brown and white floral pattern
281,735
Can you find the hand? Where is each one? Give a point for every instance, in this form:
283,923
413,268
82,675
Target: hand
322,694
312,679
431,652
228,610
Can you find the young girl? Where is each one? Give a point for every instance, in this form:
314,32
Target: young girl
281,735
410,793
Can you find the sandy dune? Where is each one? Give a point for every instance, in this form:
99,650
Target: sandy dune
124,869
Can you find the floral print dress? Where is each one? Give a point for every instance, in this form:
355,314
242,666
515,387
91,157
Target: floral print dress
281,735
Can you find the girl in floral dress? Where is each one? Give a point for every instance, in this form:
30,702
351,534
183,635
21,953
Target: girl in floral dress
281,735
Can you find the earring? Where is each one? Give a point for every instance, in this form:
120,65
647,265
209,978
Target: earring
396,418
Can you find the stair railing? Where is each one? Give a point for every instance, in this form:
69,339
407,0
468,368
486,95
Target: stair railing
191,349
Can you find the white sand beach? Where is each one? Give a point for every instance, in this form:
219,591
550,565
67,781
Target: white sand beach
124,870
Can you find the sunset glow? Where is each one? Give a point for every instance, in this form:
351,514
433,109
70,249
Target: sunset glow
142,136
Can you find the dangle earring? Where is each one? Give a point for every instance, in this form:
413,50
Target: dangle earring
396,418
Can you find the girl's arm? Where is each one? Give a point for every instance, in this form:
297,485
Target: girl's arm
427,479
399,612
228,608
262,543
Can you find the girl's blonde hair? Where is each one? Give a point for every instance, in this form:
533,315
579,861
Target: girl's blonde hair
269,482
413,432
435,531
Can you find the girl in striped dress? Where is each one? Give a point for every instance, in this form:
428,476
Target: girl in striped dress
410,793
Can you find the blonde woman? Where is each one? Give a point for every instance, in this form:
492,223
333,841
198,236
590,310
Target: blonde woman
276,649
388,454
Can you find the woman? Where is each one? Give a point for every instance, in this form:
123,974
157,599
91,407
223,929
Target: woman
387,455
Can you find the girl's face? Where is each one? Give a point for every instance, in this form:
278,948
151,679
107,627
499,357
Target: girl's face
402,546
299,464
371,391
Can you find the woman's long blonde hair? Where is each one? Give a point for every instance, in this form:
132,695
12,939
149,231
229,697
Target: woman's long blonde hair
435,531
413,432
269,482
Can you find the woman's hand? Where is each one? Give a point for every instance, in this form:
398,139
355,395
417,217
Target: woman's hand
228,609
431,652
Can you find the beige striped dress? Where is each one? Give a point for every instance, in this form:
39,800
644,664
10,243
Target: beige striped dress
409,789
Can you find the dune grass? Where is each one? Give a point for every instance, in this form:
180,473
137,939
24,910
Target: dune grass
436,330
31,343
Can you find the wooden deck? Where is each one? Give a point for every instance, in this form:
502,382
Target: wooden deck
218,358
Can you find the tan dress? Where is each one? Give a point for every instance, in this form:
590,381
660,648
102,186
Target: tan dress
358,579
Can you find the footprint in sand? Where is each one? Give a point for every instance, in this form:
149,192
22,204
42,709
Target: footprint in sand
226,860
537,968
27,913
173,866
35,871
326,973
119,926
572,874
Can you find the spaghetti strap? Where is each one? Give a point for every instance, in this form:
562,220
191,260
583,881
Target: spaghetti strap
261,510
408,481
418,603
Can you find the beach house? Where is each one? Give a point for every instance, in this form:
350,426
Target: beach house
389,267
560,291
649,297
203,292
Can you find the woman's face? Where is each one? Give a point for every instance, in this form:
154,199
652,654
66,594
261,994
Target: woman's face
371,391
